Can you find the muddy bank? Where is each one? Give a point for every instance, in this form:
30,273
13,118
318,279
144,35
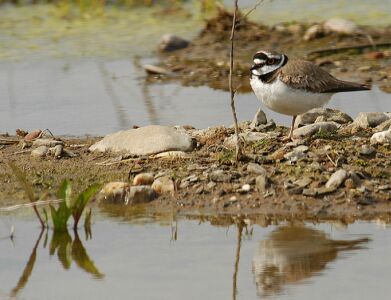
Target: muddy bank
360,54
328,174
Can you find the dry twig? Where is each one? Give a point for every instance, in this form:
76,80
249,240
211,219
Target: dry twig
231,89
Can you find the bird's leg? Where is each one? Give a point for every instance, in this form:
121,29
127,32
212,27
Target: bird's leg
289,137
292,127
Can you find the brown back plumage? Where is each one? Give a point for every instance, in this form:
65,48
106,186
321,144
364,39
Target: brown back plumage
301,74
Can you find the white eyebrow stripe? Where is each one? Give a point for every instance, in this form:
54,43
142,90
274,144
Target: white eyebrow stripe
258,61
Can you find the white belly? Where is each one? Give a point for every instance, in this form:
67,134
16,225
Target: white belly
281,98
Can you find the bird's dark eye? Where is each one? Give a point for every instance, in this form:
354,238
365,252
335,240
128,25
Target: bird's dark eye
270,61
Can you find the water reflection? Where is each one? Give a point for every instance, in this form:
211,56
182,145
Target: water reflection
294,253
44,95
68,250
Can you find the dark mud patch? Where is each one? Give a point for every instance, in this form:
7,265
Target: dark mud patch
206,60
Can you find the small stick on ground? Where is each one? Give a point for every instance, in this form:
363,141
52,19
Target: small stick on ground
231,89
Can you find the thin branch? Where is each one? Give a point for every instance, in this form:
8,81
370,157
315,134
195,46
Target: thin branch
231,89
252,9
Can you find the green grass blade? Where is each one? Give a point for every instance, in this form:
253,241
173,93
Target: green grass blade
82,201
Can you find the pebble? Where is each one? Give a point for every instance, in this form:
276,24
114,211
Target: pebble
113,192
172,155
170,42
246,187
383,126
220,176
146,140
340,26
58,149
140,194
318,191
302,182
41,151
294,156
32,135
256,169
382,137
143,179
47,142
336,179
163,185
155,70
211,185
309,130
367,150
326,114
259,119
313,32
370,119
261,183
248,137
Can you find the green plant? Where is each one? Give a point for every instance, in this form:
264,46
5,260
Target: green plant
81,201
61,215
69,206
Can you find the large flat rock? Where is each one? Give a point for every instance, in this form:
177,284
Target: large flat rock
145,141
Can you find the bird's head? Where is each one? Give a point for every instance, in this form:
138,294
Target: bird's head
266,62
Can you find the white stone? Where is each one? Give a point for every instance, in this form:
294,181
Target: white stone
340,26
40,151
370,119
171,155
337,179
382,137
246,188
147,140
47,142
313,32
259,119
309,130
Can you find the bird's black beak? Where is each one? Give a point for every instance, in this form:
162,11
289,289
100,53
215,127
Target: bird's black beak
253,67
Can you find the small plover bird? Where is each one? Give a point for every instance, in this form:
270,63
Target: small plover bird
293,87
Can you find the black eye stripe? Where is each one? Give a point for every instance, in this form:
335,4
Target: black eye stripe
261,56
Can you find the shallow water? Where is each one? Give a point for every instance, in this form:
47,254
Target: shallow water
91,96
140,259
83,76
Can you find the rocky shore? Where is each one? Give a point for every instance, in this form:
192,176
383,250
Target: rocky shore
335,168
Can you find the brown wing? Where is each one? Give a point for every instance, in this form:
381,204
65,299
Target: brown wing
306,75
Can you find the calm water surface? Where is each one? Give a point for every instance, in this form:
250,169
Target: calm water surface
141,259
98,97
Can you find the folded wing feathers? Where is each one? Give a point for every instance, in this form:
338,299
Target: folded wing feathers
300,74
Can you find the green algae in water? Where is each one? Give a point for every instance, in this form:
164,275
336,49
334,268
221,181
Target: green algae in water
42,31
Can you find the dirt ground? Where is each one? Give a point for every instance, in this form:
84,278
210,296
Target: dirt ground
283,198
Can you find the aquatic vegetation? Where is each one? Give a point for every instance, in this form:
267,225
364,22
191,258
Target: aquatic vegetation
67,207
